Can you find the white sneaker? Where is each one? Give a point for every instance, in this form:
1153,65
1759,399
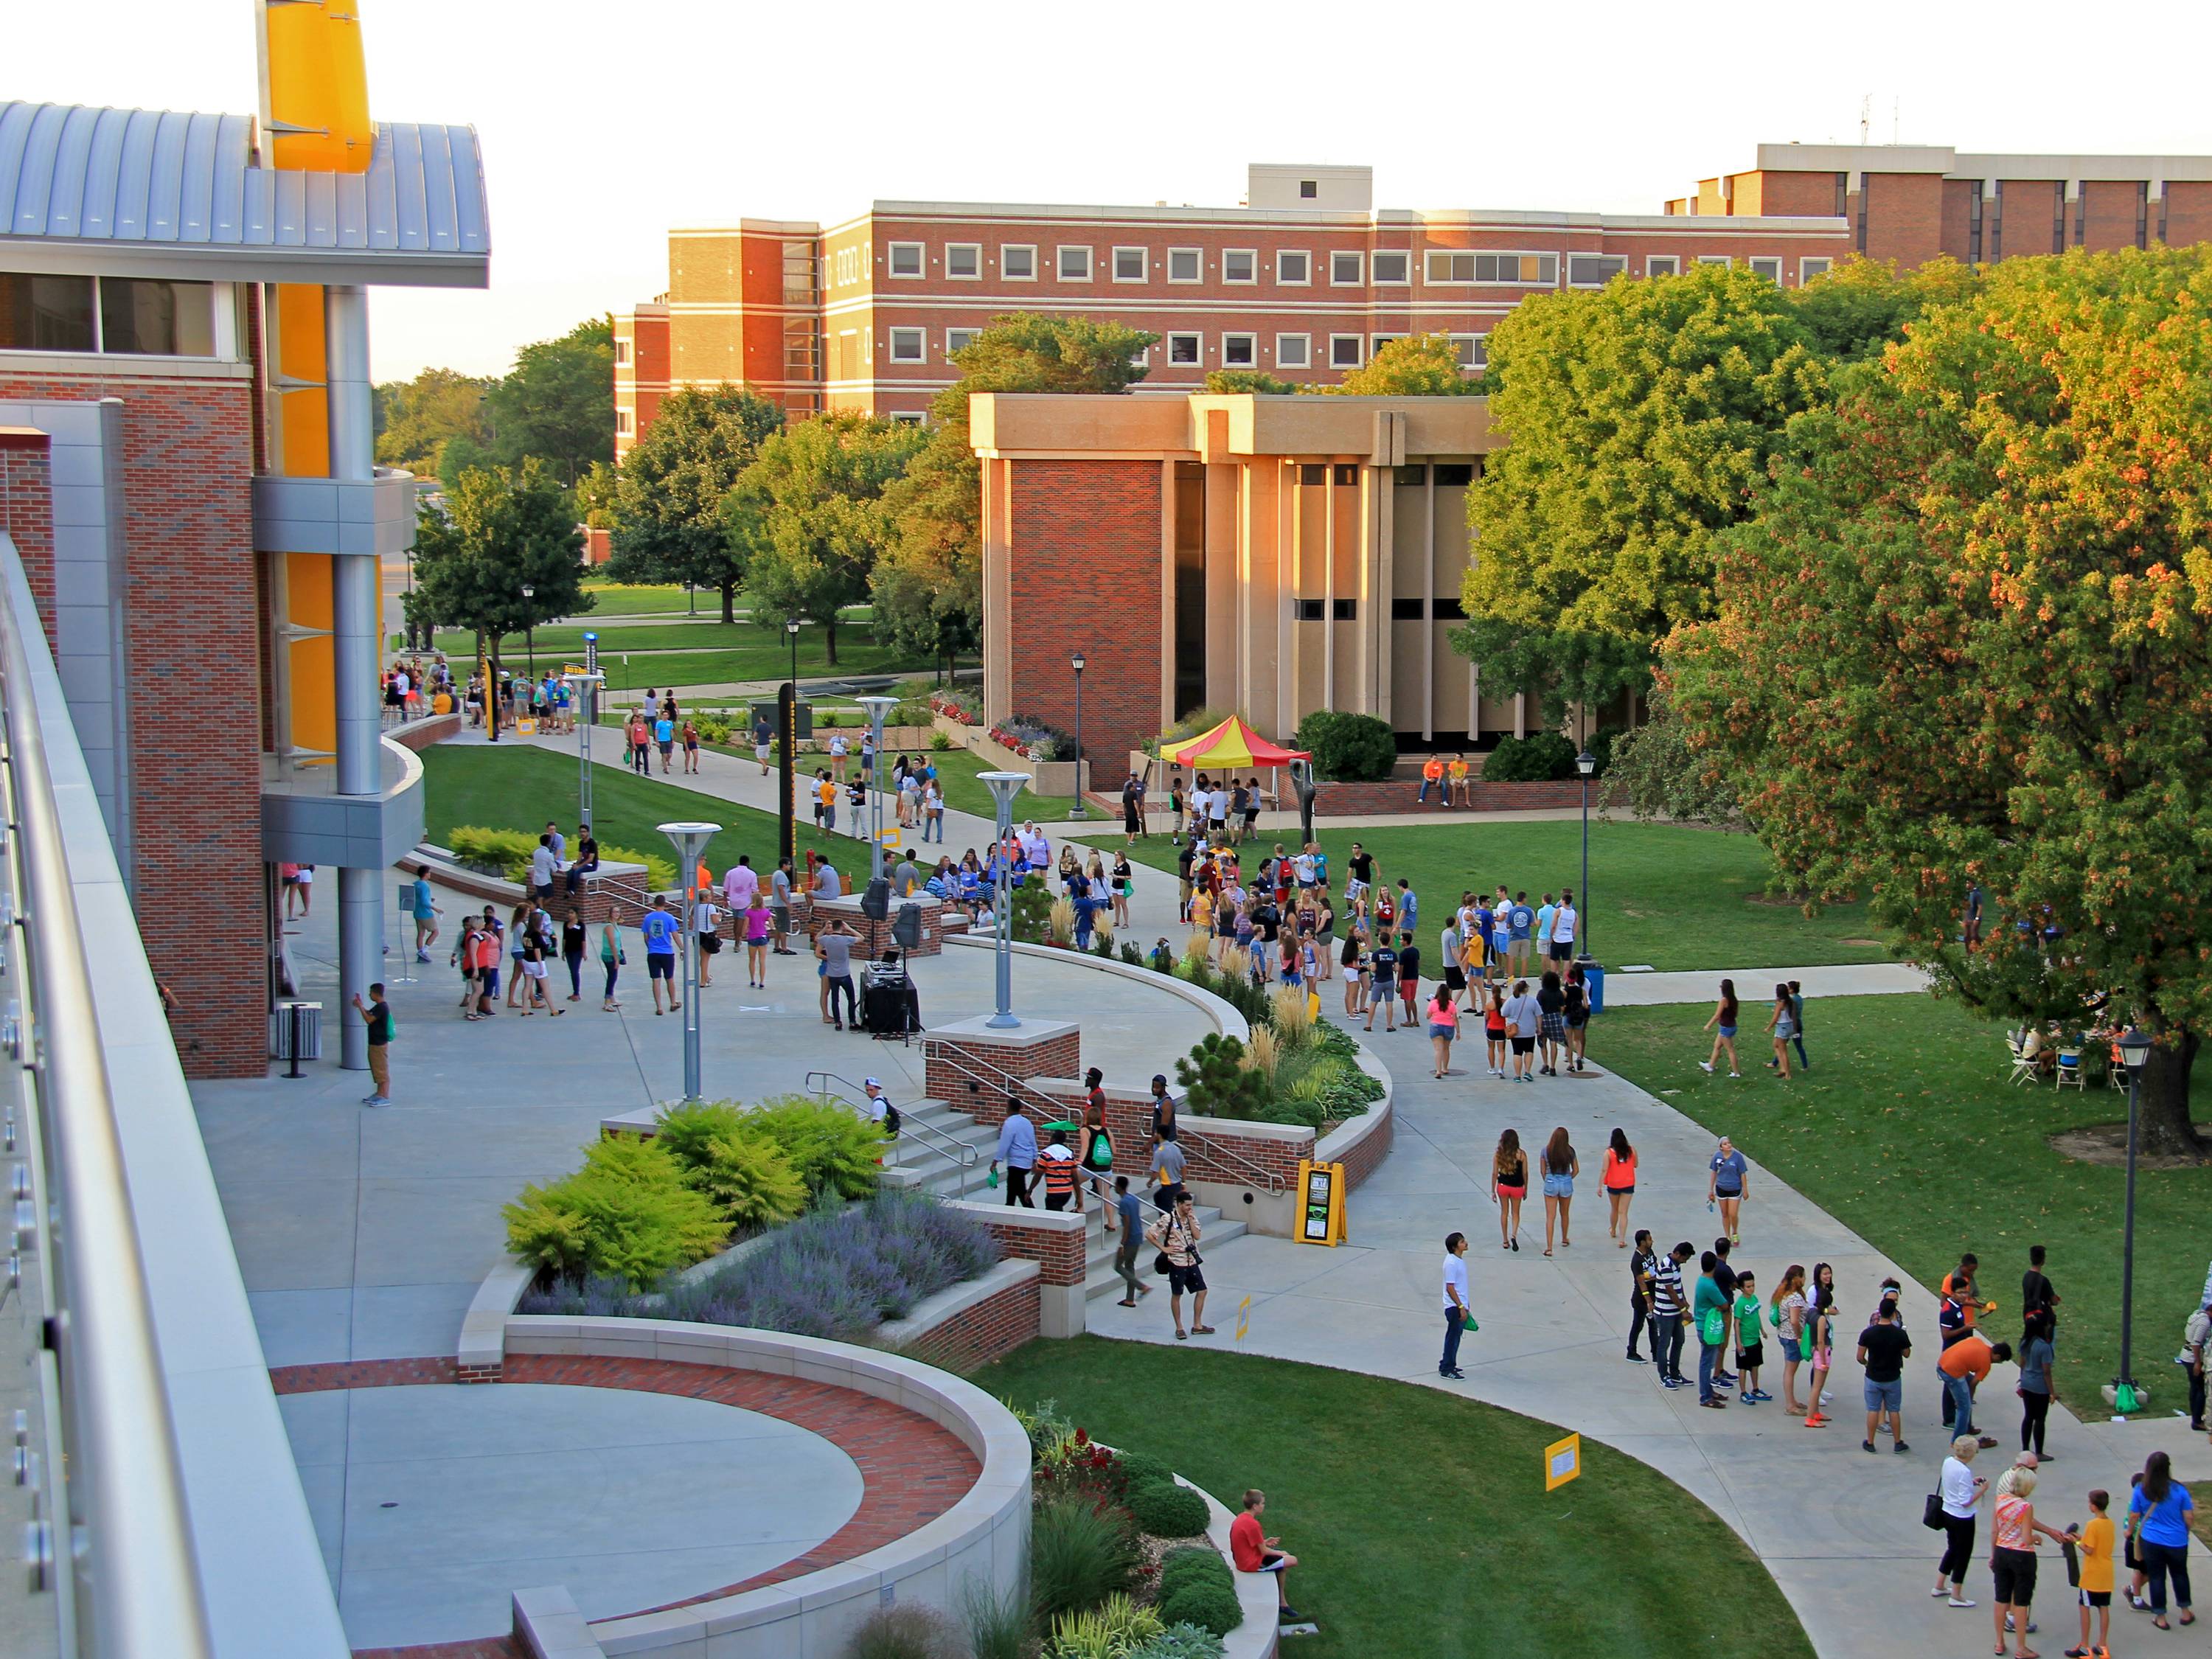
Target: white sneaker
1825,1396
1704,1066
1957,1601
1735,1073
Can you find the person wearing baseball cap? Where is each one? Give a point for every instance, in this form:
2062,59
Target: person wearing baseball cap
879,1105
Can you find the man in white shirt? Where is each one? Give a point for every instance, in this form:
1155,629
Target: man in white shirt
827,883
402,685
1563,928
556,841
879,1105
837,754
1217,813
739,885
1457,1310
706,923
542,864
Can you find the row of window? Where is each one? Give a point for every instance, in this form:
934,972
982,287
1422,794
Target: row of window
1294,267
106,314
1442,609
1183,348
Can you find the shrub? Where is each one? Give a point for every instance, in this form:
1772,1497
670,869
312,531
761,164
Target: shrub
1166,1510
1080,1554
1540,758
750,1181
912,1631
833,1148
774,1158
628,1213
1141,1469
998,1625
1046,1429
685,1131
490,849
1210,1607
1181,1641
910,711
1111,1629
1347,748
1193,1563
1131,954
941,742
1059,920
1216,1080
659,868
1032,907
1291,1018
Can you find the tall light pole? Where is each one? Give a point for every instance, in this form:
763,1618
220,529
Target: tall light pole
690,841
1004,787
529,632
2135,1051
586,689
787,787
1586,764
1078,810
878,707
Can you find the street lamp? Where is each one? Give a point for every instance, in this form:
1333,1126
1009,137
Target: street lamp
586,689
529,630
791,628
690,841
2135,1051
786,785
1004,787
1078,810
878,707
1586,764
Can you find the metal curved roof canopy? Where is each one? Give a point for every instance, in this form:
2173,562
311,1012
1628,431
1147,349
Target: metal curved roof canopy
161,193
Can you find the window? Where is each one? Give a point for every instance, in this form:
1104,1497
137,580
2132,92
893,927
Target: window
623,424
1346,609
1344,270
1347,473
1186,264
1017,262
964,261
906,346
1770,269
1129,265
1240,264
622,351
1448,608
1451,474
1393,266
1663,264
1239,350
1474,351
906,417
1593,269
1185,348
1310,473
1074,264
1293,267
1452,265
1345,351
1293,351
959,340
160,319
1721,259
802,272
1308,189
1381,340
1415,474
905,258
1406,610
1308,609
1809,269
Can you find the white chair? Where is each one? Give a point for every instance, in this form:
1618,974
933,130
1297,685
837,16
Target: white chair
2069,1070
2023,1068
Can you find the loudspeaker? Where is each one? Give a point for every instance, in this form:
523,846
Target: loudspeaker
907,930
875,903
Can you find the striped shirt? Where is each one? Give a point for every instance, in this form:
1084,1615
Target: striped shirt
1667,1289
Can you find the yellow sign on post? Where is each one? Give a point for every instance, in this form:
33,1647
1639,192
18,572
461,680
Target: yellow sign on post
1320,1203
1563,1462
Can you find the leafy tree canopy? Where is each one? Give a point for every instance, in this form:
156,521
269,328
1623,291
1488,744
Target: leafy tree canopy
1965,642
500,530
1863,306
558,401
1417,365
1228,382
668,523
417,419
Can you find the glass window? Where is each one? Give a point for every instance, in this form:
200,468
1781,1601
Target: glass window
906,417
1593,269
1809,269
1451,474
1074,264
906,345
1293,351
160,319
1449,608
1345,351
1184,348
1293,266
622,421
1185,264
1663,264
1129,265
1017,262
905,258
1405,611
1449,265
1474,351
1239,350
46,313
1533,268
1345,610
1393,266
1721,259
1308,610
1344,270
1770,269
1308,189
965,260
1240,264
622,351
959,340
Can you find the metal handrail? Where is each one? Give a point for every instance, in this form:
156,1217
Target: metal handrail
951,1147
123,1530
1251,1173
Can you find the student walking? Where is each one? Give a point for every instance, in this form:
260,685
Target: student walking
660,929
1958,1491
1522,1016
572,935
1130,1210
1494,1031
1620,1184
1457,1313
1444,1026
1560,1167
1018,1151
2158,1522
612,958
1782,1024
1176,1234
1643,1267
1723,1023
1728,1179
1097,1140
1509,1185
376,1014
426,912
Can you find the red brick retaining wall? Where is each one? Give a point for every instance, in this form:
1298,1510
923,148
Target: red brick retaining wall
1367,1157
991,1328
980,1089
1061,1252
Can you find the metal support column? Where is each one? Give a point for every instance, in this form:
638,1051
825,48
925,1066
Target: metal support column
354,581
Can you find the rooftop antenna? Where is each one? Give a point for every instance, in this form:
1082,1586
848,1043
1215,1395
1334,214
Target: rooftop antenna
1866,116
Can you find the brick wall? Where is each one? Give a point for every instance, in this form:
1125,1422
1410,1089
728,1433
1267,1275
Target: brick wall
1904,215
1083,571
198,881
27,513
1060,1249
976,1336
2188,212
2109,211
984,1098
1367,1157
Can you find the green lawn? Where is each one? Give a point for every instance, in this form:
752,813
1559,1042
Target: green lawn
642,598
1419,1518
1673,897
706,634
520,787
1906,1130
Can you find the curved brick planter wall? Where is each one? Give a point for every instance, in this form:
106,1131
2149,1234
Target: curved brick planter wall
1224,1015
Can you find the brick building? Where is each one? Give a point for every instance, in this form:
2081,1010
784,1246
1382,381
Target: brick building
185,474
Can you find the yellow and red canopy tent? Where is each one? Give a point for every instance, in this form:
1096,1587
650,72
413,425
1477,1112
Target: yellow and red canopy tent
1232,747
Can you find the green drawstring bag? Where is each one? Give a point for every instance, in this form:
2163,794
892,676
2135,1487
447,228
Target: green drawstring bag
2125,1400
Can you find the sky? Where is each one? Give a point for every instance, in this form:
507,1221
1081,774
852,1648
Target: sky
603,124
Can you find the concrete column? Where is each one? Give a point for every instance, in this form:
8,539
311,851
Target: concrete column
354,584
1429,610
1328,588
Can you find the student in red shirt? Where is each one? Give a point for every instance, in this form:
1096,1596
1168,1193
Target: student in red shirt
1253,1552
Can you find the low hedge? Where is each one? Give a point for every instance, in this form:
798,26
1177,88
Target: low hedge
508,853
1193,1564
1166,1510
1211,1606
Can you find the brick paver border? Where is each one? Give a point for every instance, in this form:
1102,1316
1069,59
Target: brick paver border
912,1470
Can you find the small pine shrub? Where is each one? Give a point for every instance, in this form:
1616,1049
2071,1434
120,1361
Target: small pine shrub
909,1631
941,742
1131,954
1210,1607
1080,1554
1166,1510
628,1213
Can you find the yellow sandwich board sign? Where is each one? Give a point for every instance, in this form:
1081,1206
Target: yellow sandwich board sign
1563,1462
1320,1203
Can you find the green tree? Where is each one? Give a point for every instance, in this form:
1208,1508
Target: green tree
807,516
1415,366
1663,775
1864,305
668,523
500,530
595,495
1964,643
928,583
1637,417
417,420
1225,382
558,401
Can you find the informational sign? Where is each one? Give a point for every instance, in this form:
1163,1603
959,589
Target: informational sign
1320,1203
1563,1462
591,652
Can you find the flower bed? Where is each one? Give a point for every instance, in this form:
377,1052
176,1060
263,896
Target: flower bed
505,853
1032,739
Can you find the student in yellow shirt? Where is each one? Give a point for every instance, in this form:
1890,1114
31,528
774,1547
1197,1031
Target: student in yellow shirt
2096,1546
1458,793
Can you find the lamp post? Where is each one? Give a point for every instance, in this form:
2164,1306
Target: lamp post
1004,787
1078,810
878,707
586,689
1586,764
690,840
2135,1051
791,628
787,771
529,632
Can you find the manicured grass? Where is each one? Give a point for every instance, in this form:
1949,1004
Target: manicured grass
771,645
642,598
520,787
1673,897
1906,1130
1419,1518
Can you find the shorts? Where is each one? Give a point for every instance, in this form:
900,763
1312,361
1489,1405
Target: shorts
1185,1281
1272,1561
1438,1030
1885,1396
1386,988
1505,1191
1728,1031
660,964
1552,1026
1559,1186
1736,1197
491,981
1562,950
1524,1045
2089,1598
2014,1572
760,753
1821,1358
667,746
1620,1192
1782,1033
1751,1359
534,970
